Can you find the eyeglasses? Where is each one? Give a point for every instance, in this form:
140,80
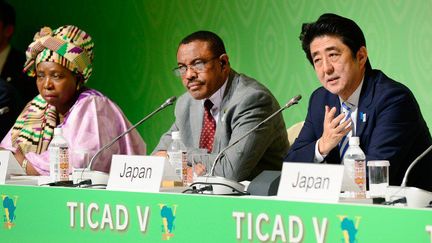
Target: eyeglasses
198,66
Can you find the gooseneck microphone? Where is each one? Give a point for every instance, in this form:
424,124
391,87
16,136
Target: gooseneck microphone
405,178
410,196
291,102
167,103
221,185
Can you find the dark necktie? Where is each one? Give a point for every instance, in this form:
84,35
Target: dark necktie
208,128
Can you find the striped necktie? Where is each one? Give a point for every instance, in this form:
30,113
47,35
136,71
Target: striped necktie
343,145
208,129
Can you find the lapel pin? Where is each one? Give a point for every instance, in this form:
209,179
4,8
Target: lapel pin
363,116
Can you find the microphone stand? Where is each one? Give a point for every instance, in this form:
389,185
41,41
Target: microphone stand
234,186
405,178
167,103
411,196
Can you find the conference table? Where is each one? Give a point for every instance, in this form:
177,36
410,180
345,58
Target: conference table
64,214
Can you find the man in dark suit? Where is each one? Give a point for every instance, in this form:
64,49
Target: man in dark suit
8,107
12,60
16,88
384,113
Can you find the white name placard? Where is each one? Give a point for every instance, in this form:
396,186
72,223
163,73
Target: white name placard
9,166
136,173
310,182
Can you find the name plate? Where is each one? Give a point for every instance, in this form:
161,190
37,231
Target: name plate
311,182
8,166
136,173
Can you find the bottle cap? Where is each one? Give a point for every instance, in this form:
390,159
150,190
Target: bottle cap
57,131
175,135
378,163
354,141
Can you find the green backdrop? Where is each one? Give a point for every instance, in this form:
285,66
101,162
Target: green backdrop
136,43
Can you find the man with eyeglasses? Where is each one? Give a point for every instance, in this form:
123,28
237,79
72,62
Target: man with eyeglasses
220,106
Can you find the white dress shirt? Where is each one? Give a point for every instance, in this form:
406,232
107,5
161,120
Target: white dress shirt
216,99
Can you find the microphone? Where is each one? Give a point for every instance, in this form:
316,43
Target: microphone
167,103
239,186
405,178
414,197
293,101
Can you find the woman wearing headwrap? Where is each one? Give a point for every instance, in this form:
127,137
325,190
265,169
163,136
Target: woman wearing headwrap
62,61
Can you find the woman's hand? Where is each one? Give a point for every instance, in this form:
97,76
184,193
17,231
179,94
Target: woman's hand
19,156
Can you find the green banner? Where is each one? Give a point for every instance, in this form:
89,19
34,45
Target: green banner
43,214
136,45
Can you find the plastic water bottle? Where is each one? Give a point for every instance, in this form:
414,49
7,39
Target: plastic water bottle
177,157
59,157
355,165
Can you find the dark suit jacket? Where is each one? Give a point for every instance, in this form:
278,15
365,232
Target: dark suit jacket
394,129
10,106
12,73
246,102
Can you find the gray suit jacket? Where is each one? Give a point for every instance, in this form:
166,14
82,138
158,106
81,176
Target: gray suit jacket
245,103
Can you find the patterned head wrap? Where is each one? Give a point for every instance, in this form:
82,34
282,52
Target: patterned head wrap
73,49
68,46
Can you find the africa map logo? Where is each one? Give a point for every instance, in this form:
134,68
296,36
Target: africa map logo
9,206
168,215
349,228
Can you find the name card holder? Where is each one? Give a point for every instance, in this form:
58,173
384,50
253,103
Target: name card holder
136,173
310,182
9,166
